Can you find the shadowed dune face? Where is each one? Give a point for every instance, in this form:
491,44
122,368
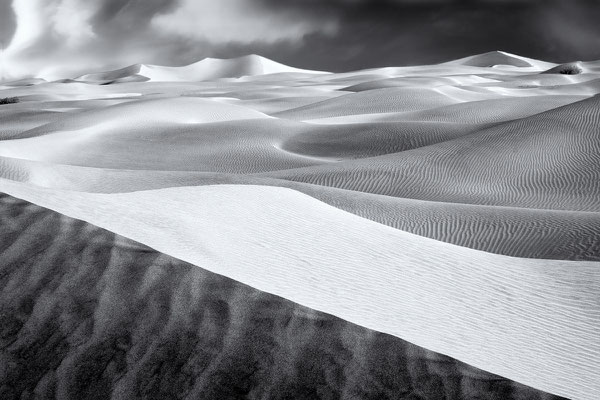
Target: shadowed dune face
205,70
85,313
494,58
566,69
519,318
545,234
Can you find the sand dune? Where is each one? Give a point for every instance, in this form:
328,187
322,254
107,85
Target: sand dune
473,112
178,111
566,69
204,70
24,82
242,146
548,160
523,319
235,147
363,140
498,58
227,337
17,122
312,186
372,101
517,232
419,81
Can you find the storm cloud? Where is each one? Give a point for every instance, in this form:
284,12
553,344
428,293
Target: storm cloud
63,38
54,38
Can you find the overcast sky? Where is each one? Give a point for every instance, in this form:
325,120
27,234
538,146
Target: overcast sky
63,38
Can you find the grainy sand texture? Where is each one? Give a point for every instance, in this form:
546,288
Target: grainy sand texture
243,229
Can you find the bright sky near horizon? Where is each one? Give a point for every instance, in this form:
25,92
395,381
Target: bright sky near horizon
63,38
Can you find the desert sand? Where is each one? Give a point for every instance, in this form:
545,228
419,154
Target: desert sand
186,333
453,206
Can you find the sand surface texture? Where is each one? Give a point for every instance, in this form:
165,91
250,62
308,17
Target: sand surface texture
455,206
87,314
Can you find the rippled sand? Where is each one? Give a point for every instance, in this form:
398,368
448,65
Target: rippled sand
323,189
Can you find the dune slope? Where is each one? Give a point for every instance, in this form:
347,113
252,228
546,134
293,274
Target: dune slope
549,160
95,315
204,70
530,321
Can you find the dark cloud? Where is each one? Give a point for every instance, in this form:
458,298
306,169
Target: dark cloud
61,37
337,35
402,32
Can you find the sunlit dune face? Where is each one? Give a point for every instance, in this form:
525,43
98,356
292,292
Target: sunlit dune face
55,39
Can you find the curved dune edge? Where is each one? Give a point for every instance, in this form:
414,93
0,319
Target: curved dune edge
517,232
531,321
93,314
548,160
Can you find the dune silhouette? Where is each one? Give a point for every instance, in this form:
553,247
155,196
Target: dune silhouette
204,70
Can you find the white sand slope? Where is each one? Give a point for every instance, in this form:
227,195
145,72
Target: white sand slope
532,321
24,82
204,70
499,59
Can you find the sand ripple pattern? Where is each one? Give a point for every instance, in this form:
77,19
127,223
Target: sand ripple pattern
96,315
493,155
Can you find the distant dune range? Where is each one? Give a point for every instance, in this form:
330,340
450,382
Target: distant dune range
494,152
71,329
